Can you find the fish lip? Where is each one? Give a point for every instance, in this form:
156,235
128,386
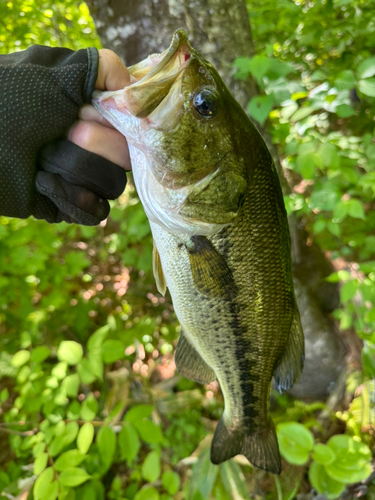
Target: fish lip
179,37
142,97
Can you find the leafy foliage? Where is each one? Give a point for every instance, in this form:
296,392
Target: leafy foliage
87,393
343,460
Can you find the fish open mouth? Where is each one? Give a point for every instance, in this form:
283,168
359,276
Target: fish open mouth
155,98
153,79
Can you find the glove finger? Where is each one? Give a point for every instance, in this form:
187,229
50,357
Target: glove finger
78,204
82,168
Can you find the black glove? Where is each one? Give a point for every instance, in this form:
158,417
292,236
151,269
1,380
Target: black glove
41,173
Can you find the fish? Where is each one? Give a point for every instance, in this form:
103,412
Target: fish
211,193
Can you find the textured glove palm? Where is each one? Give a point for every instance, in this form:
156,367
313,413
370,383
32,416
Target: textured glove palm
41,173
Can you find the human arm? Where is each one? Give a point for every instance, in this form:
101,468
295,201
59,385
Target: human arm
42,173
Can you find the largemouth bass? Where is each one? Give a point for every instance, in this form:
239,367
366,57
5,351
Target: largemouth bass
221,240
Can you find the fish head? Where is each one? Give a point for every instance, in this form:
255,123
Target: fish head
181,116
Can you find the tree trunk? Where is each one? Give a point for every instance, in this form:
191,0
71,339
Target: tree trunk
220,30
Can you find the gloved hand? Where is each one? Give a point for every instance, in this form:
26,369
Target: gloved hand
41,92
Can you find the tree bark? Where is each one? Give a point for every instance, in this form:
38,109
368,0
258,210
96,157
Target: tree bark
220,30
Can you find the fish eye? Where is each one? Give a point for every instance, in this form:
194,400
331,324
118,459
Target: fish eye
206,103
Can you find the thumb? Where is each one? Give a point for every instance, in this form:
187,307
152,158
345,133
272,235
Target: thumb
112,73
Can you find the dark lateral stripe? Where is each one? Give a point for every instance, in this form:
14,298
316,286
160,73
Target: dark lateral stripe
247,375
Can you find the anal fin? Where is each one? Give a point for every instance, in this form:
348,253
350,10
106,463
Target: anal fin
291,363
161,284
190,363
260,447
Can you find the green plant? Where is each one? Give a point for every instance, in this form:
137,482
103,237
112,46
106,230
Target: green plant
342,461
86,341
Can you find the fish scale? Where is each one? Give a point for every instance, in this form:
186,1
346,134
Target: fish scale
221,239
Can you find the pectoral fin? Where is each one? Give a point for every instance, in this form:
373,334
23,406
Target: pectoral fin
211,273
190,363
291,364
161,284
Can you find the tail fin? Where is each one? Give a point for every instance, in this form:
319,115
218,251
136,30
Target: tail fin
260,447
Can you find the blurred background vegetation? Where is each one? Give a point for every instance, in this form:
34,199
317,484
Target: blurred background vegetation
90,404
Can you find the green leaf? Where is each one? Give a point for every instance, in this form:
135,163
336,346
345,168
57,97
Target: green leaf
259,107
20,358
40,354
4,480
366,68
344,111
171,481
52,491
355,209
151,467
242,65
89,408
42,484
106,442
370,315
85,437
97,338
328,154
4,395
70,351
56,446
59,370
334,228
302,112
295,441
306,165
148,431
258,66
203,476
40,463
352,462
112,350
367,86
323,483
288,110
324,199
93,490
348,290
66,493
368,361
95,363
362,406
60,428
70,458
73,476
323,454
319,226
234,480
147,493
345,80
86,372
71,385
128,442
350,174
370,151
341,209
138,413
65,439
